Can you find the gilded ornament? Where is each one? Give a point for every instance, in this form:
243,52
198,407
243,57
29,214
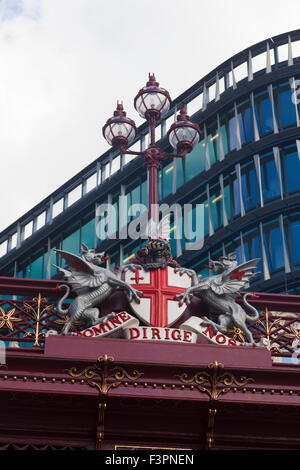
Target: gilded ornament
295,335
109,376
37,311
7,319
214,380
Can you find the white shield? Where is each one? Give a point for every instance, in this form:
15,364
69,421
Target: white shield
158,306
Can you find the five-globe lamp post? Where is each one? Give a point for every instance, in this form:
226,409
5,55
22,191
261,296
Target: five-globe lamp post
152,103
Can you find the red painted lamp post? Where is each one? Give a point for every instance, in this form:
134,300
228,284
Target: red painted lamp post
152,103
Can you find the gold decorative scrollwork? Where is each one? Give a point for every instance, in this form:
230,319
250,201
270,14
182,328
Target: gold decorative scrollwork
37,311
213,380
109,376
267,327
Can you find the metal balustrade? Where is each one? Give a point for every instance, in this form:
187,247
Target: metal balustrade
28,314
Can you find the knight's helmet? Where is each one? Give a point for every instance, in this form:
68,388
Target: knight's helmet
158,249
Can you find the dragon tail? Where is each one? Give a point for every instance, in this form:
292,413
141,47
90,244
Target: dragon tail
61,310
250,318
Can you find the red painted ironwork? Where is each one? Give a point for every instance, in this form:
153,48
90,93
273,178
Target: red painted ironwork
26,318
157,395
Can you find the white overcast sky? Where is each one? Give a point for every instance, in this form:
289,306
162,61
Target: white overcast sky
64,64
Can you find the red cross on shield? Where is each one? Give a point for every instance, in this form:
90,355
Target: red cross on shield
158,306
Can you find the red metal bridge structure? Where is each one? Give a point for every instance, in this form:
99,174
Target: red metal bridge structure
69,392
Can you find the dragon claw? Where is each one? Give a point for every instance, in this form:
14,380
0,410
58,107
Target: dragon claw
135,295
184,297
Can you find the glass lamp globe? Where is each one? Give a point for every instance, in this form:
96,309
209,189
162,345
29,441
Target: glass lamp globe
119,131
152,102
183,134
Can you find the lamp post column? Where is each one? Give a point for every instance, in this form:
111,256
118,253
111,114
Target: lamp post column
153,165
152,162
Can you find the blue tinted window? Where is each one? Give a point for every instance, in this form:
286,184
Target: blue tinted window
177,236
236,197
224,138
266,116
179,172
227,198
263,113
145,193
249,189
71,243
102,225
295,235
252,247
241,127
195,161
269,177
159,184
113,221
275,247
135,195
195,224
202,214
287,108
168,173
54,259
256,250
213,147
248,124
239,256
292,171
216,209
36,269
88,233
232,134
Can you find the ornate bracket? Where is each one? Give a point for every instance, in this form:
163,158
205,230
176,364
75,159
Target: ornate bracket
108,376
213,378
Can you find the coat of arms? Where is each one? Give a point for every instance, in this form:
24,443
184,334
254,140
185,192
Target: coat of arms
158,291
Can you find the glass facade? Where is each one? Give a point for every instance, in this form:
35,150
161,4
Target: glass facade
229,187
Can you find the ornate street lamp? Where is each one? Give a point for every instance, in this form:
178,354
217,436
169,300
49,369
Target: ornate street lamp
152,103
119,131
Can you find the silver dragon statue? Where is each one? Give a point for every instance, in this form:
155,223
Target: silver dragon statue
220,293
92,283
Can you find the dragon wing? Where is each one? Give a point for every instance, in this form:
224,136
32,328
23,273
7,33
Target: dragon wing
76,263
234,280
79,273
160,230
80,280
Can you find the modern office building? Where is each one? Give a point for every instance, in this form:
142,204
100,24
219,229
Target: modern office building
245,171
